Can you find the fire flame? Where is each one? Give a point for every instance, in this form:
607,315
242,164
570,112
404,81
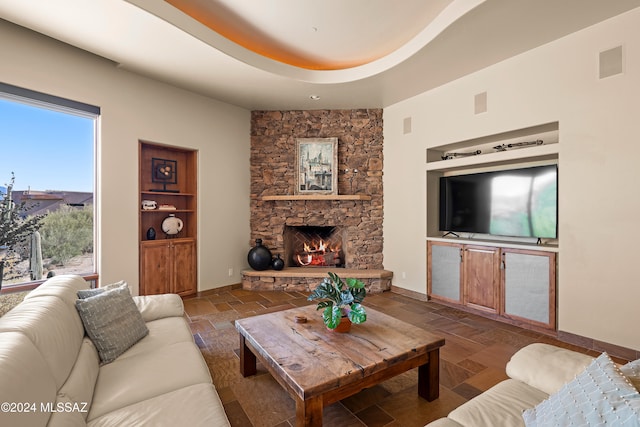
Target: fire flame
318,253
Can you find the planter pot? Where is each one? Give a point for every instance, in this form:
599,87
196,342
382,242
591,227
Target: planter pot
344,325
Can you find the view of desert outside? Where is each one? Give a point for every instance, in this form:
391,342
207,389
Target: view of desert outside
47,162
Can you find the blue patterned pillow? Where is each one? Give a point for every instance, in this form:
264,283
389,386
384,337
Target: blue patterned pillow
598,396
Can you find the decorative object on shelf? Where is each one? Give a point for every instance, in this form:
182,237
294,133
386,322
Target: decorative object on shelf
316,166
505,147
352,176
164,171
172,225
449,156
259,256
340,301
277,263
151,233
165,207
149,205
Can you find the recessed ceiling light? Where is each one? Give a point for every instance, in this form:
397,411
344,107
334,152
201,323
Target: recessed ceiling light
315,97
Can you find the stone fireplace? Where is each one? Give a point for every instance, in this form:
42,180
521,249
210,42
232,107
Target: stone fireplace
351,220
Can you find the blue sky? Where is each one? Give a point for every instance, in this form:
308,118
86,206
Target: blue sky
46,149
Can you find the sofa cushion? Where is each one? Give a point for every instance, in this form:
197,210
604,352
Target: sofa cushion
153,307
112,321
194,406
130,380
24,378
546,367
632,371
600,395
78,388
65,286
501,405
67,414
162,332
53,326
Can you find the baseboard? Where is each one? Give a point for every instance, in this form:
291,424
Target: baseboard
408,293
599,346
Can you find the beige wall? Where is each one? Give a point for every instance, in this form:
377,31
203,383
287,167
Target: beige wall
599,202
134,108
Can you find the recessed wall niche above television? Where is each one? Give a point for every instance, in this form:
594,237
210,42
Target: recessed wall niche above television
520,202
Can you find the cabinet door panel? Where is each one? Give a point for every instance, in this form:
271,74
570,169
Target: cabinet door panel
482,278
184,257
155,268
444,275
528,286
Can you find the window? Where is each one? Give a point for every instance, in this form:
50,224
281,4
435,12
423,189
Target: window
47,178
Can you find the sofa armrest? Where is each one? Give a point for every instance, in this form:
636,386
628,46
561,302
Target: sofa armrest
546,367
153,307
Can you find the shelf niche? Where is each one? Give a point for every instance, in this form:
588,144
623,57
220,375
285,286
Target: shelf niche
533,155
168,265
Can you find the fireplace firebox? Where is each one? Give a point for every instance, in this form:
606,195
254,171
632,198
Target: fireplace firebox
314,246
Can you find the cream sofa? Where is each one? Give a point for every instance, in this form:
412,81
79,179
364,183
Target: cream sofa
535,373
51,374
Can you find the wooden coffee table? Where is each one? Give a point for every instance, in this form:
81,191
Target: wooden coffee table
318,367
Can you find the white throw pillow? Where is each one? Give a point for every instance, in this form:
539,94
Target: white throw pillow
598,396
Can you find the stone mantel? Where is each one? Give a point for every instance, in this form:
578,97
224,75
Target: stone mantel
288,197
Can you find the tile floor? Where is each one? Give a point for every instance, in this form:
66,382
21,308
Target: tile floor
472,360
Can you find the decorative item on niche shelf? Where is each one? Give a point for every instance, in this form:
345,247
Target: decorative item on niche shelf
449,156
165,207
166,172
172,225
316,163
149,205
340,302
505,147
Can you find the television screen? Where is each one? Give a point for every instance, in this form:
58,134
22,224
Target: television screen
518,202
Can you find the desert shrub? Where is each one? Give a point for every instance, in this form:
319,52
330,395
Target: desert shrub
66,233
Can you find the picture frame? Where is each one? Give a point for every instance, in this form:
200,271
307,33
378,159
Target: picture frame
164,171
316,166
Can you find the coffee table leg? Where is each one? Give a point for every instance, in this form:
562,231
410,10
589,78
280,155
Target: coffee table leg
429,377
247,359
309,412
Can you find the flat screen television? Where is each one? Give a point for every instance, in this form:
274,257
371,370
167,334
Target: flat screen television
518,202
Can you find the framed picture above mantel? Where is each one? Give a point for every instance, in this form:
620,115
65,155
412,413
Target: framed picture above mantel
316,166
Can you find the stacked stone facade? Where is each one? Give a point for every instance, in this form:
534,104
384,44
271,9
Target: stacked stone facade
273,149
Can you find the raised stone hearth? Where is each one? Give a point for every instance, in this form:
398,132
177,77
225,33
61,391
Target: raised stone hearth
305,279
358,217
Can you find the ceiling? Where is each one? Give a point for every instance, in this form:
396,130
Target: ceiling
275,55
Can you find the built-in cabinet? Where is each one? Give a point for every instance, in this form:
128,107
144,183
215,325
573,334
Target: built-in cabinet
514,285
510,280
168,186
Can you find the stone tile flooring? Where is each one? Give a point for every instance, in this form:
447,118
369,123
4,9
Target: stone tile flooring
472,360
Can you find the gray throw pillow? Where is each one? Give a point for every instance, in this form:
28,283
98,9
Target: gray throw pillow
86,293
112,321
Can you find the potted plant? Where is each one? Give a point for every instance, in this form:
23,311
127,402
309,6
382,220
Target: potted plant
340,300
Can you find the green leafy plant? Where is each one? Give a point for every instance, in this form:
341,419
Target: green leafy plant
339,296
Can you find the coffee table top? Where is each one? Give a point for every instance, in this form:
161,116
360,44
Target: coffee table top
312,360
